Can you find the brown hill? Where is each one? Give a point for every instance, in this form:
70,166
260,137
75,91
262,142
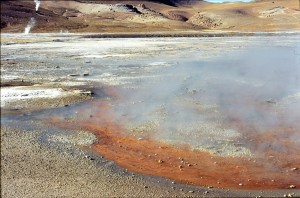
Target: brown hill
167,2
150,16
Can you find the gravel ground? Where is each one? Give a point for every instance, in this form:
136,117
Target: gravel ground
30,168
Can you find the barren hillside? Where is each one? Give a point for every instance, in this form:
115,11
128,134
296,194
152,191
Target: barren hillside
150,16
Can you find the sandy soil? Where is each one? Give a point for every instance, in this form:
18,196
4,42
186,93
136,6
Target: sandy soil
30,169
150,16
61,166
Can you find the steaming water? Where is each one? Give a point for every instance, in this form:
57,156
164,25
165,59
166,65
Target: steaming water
213,94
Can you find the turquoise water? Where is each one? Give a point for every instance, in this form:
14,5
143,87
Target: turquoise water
221,1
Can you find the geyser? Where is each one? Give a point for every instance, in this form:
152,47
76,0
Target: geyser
32,21
37,4
30,25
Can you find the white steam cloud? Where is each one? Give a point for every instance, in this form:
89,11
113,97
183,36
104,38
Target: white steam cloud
30,25
37,4
32,21
199,103
220,105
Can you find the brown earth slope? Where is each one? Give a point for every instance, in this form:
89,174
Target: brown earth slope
150,16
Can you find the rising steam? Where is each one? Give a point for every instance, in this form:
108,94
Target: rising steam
211,105
30,25
218,105
32,21
244,103
37,4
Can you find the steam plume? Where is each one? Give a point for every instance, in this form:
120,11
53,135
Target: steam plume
199,103
37,4
32,21
30,25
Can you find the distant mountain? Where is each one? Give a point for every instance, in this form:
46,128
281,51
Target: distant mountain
167,2
115,16
175,2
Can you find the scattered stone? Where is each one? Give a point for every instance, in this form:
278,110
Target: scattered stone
271,101
205,192
191,191
58,40
210,187
86,74
179,166
290,195
294,169
24,95
86,93
89,157
181,189
145,186
241,184
160,161
292,186
205,20
140,138
72,75
173,182
189,165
